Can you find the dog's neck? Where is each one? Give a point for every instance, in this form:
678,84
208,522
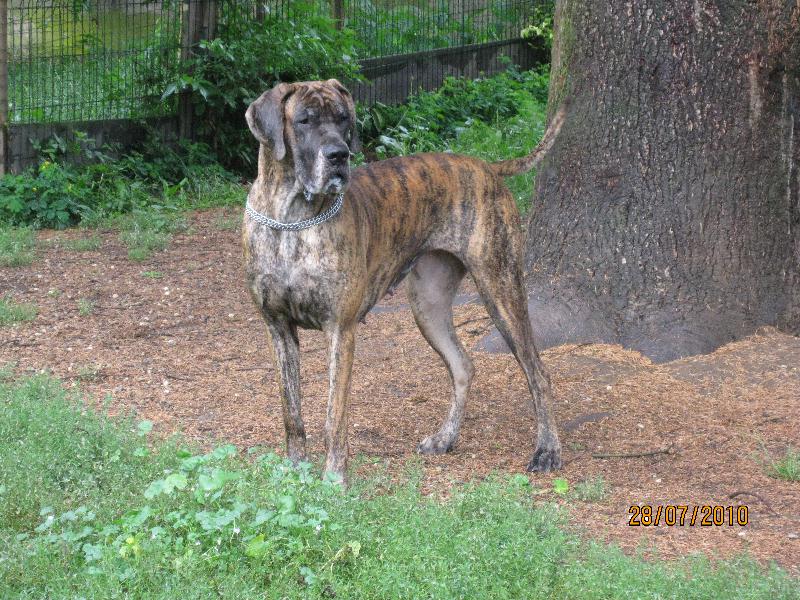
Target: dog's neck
278,193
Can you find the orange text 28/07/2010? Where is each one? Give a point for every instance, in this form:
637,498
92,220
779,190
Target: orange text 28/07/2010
706,515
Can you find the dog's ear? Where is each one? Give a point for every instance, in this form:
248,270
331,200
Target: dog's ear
355,142
265,118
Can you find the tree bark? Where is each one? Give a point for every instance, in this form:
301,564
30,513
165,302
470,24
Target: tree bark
668,217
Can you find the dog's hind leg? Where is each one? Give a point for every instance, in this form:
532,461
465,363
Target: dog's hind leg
432,284
286,352
498,276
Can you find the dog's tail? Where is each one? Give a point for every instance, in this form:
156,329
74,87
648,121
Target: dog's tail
515,166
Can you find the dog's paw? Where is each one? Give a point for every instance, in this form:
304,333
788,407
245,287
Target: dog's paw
545,460
436,444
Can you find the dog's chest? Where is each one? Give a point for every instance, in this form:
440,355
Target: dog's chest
295,275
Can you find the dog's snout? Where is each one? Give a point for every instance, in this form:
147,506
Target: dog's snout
336,153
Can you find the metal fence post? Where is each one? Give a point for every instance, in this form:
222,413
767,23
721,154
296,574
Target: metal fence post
3,86
338,13
199,22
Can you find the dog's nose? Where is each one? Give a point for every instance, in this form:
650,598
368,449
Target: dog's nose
336,153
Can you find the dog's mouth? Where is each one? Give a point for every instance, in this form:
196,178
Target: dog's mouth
335,183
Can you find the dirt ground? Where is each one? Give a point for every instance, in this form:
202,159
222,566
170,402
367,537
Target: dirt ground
188,351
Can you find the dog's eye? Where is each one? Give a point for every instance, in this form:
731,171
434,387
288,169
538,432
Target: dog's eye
342,117
303,121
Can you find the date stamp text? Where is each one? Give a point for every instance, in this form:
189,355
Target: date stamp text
683,514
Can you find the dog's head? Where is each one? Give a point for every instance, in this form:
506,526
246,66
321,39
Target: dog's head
313,124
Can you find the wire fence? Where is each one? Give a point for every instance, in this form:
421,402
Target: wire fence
80,60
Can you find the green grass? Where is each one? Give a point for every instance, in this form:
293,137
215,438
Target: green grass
228,222
12,312
16,246
85,307
787,467
147,231
94,506
590,490
83,244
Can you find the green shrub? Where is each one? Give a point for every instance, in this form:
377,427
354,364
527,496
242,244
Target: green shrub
59,193
429,120
247,57
540,28
51,195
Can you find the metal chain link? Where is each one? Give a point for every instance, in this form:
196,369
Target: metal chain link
304,224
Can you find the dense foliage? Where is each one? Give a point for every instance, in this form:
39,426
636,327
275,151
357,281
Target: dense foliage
65,189
248,56
430,121
494,118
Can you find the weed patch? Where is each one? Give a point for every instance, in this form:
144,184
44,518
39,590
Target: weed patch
787,467
12,312
590,490
83,244
16,246
85,307
148,231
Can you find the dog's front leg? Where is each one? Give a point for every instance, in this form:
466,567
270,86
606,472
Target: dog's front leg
286,352
341,346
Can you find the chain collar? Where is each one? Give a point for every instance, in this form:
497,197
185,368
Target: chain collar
304,224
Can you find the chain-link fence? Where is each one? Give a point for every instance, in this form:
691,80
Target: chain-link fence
71,60
104,60
78,60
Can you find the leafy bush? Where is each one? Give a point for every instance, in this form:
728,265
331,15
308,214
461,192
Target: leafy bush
63,191
540,29
249,56
431,119
50,195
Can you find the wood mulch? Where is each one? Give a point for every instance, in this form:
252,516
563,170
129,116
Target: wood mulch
188,351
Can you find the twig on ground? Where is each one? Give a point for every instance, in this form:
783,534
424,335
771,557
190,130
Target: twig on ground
472,321
667,450
181,377
766,504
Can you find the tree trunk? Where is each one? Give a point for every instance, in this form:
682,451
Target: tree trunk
668,212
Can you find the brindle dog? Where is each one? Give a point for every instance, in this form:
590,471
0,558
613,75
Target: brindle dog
432,217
